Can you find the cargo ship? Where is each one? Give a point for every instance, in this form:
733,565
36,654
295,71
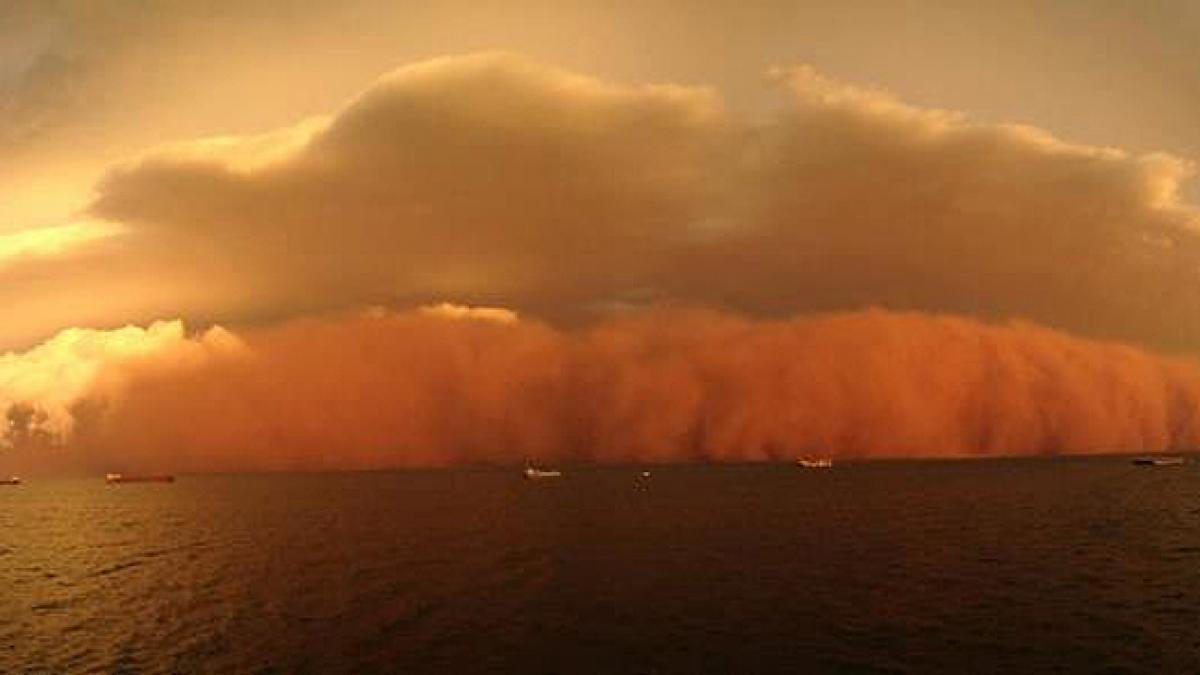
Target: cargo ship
114,478
531,472
1158,461
819,463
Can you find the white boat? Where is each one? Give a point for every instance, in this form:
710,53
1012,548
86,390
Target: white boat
820,463
1158,461
533,472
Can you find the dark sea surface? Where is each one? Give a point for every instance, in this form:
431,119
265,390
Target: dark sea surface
1064,565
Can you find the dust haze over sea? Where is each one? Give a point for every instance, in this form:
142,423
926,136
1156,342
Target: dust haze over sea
463,386
1008,565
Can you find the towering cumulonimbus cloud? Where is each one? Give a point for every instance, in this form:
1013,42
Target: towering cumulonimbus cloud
423,388
498,180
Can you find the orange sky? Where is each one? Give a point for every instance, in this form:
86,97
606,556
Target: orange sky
255,162
86,86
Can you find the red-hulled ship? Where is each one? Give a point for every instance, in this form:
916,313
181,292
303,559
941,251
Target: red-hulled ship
146,478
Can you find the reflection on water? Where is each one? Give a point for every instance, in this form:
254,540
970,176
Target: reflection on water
996,566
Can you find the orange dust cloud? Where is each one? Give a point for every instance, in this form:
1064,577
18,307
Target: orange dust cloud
428,388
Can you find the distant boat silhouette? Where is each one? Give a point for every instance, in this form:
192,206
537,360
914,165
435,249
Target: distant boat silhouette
11,480
1158,461
820,463
114,478
532,472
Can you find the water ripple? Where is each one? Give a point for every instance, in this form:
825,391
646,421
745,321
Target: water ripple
886,568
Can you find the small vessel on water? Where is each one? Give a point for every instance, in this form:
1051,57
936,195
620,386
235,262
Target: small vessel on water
818,463
532,472
114,478
1147,460
11,480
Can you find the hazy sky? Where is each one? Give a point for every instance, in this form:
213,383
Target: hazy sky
85,85
729,230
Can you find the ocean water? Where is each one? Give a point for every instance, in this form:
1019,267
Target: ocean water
1063,565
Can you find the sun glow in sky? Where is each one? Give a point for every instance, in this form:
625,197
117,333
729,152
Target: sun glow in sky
51,241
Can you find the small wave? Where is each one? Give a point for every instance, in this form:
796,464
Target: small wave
113,569
52,605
